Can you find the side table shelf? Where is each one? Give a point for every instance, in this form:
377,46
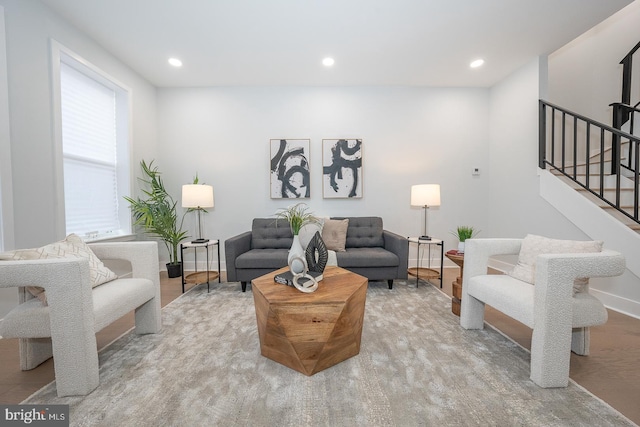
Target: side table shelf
204,276
426,273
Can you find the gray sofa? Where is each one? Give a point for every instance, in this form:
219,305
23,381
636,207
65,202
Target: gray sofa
371,251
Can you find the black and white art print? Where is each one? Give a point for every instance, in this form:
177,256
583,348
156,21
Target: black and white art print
341,168
290,169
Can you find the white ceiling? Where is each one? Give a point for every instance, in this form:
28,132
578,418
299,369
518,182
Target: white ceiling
374,42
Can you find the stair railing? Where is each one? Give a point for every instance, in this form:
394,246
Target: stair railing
566,142
623,113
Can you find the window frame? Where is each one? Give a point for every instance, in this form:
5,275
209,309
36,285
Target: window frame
6,189
59,54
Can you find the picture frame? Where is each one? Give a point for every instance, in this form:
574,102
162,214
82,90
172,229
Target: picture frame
289,169
342,168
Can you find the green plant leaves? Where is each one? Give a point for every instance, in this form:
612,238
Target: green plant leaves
157,213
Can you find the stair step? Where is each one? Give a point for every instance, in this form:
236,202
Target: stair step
596,152
626,203
624,208
593,162
607,189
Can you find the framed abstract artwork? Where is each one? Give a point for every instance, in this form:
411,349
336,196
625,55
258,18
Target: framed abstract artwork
341,168
289,169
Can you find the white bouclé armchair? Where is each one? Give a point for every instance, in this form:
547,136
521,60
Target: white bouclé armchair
66,327
559,315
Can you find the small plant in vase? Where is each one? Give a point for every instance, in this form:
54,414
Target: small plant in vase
298,216
464,232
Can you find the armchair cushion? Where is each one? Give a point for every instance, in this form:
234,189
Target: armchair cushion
71,247
533,245
32,320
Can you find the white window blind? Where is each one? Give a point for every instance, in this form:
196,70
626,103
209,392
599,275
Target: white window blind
89,146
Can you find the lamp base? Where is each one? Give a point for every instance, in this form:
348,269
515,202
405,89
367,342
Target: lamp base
200,241
424,238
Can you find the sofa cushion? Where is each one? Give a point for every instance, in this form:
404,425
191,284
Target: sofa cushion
269,233
367,257
334,234
31,318
533,245
263,258
514,297
365,232
71,247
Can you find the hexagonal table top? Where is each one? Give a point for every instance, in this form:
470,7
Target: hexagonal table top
310,332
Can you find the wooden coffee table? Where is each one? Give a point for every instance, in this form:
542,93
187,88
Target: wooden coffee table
310,332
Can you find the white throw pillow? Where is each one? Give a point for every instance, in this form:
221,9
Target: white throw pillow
533,245
71,247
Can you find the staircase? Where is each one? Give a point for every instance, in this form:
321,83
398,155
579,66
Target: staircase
590,173
598,161
609,193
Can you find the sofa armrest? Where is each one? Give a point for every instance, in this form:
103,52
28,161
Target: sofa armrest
69,295
143,257
478,251
398,245
233,248
144,260
555,275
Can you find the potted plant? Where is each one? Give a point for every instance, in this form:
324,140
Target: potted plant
298,216
157,215
464,232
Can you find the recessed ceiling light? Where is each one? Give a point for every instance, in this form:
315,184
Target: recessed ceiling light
328,62
477,63
175,62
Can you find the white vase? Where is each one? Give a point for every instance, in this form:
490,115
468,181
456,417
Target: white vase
296,251
460,247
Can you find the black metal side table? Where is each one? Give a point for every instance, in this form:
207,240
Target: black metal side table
199,277
427,273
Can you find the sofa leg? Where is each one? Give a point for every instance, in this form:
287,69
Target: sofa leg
580,341
34,351
390,282
244,286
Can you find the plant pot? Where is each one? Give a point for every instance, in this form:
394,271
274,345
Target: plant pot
174,270
461,247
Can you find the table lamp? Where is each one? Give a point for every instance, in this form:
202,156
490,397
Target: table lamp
197,197
425,196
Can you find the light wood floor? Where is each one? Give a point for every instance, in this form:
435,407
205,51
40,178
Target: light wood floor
610,371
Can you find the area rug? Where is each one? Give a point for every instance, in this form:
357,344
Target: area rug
416,367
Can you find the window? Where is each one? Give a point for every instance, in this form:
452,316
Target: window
94,133
6,198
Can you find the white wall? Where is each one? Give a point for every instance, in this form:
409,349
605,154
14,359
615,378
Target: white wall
514,205
410,136
30,26
7,296
585,76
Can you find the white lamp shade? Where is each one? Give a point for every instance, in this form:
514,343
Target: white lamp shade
197,196
425,195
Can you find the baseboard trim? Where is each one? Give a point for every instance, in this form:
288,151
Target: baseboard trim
616,303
